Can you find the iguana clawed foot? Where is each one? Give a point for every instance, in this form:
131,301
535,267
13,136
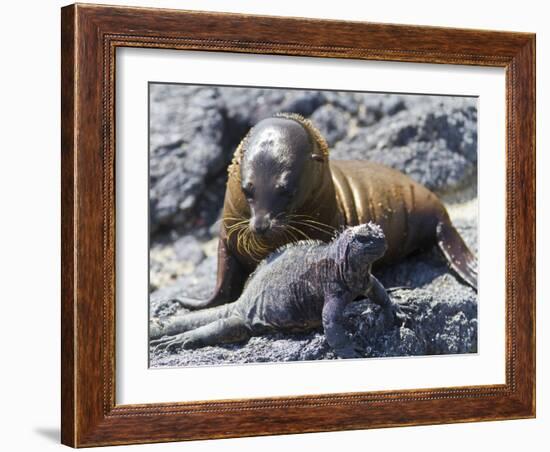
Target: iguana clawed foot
156,328
173,343
349,352
397,315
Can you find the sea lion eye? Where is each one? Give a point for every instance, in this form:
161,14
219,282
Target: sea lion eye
282,190
248,190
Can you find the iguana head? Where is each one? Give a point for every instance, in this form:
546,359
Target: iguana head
358,248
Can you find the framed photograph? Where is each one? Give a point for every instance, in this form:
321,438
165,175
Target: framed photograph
282,225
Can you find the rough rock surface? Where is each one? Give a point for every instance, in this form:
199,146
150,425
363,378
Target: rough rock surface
193,133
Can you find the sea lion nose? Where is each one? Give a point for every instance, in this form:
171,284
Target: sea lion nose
260,224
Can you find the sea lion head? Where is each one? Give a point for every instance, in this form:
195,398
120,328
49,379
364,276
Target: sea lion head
280,159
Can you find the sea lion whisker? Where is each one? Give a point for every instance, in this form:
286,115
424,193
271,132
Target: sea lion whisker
322,226
240,217
227,218
248,242
242,243
310,219
290,236
231,230
256,248
317,224
232,218
234,227
251,245
229,234
232,233
317,228
307,237
239,237
280,236
238,223
279,215
261,245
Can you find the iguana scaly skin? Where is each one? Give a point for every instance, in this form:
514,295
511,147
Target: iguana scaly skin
297,288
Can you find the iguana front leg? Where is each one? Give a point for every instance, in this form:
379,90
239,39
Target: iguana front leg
333,323
393,315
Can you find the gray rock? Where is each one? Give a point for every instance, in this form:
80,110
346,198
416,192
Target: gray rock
179,171
194,131
189,249
430,163
332,123
245,107
303,102
200,284
345,101
270,349
374,107
435,143
168,104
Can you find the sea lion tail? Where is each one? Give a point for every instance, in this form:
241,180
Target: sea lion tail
457,253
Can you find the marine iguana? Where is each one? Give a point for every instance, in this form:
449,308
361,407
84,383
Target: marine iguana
299,287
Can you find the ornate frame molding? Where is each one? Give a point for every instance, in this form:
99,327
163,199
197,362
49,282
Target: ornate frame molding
90,36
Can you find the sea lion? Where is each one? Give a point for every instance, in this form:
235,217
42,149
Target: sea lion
297,288
282,188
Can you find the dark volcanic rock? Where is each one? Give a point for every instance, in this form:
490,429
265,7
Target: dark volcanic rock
303,102
436,144
375,107
198,285
188,248
332,123
245,107
179,171
194,131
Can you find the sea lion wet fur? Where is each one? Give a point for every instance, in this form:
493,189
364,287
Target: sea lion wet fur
283,188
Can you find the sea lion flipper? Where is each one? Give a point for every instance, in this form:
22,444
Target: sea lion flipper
457,253
196,303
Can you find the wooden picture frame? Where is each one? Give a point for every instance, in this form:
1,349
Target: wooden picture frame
90,36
